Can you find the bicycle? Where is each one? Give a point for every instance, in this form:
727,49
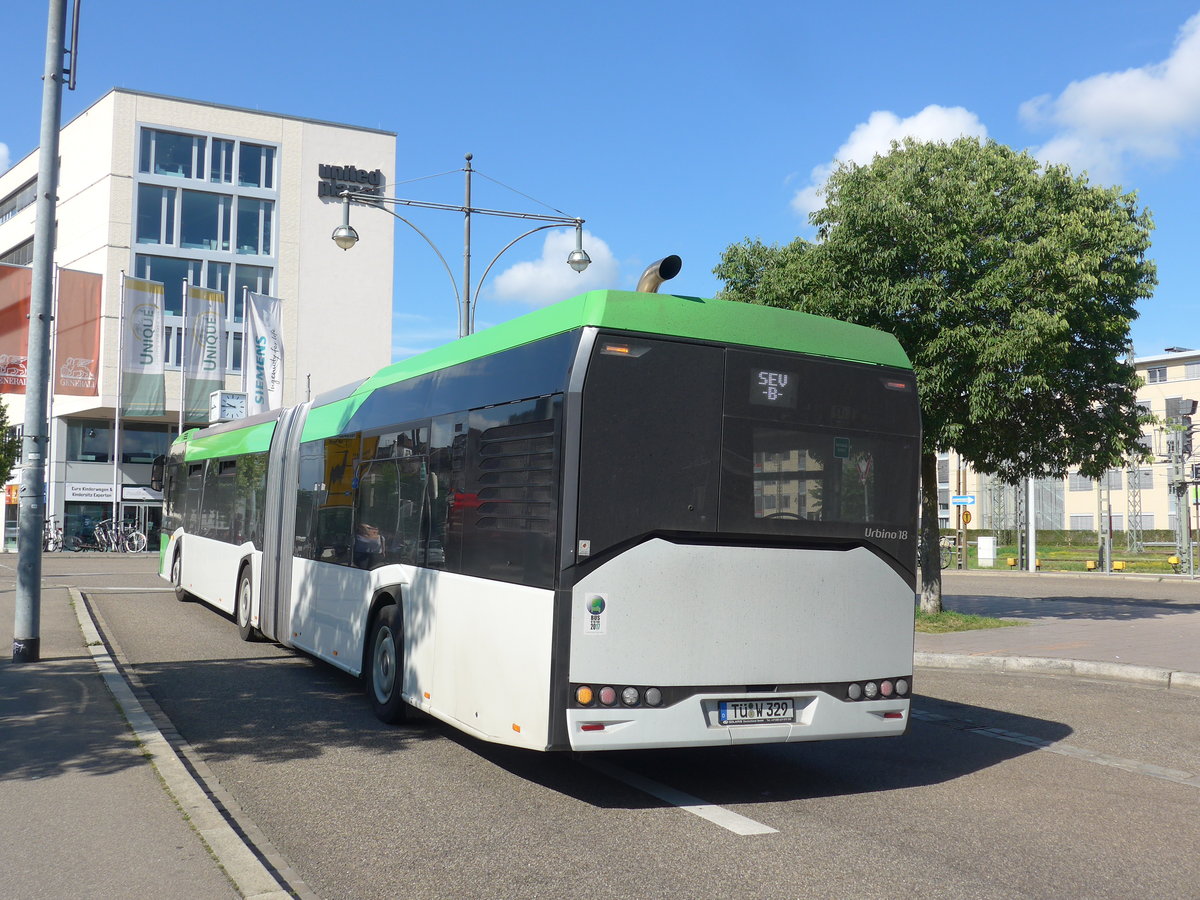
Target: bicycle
52,536
946,551
120,537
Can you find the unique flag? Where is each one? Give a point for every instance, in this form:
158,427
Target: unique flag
203,350
143,388
264,354
77,333
16,287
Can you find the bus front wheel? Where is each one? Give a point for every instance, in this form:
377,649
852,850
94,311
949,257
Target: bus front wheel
177,576
383,675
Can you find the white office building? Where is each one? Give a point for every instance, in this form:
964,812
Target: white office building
166,189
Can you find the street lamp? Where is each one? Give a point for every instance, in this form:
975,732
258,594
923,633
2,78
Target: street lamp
346,237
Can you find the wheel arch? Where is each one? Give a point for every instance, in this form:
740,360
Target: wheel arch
387,595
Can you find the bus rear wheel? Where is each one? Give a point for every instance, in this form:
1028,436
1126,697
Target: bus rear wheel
383,671
245,600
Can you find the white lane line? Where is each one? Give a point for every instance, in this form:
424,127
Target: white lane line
718,815
1062,749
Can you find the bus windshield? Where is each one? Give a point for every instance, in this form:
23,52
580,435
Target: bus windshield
736,442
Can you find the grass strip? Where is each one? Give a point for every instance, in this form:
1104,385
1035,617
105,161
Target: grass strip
947,621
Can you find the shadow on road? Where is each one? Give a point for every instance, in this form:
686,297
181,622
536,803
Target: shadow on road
930,753
1095,608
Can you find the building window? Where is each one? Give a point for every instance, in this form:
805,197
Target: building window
1156,374
204,221
1077,482
89,441
254,226
1082,523
1141,478
221,168
25,195
171,272
20,255
1192,370
169,153
256,166
256,279
155,215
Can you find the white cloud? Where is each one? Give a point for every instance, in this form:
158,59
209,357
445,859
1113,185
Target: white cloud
874,138
3,157
549,279
1143,113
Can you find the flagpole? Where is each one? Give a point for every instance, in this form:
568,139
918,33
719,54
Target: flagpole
245,334
117,405
182,358
50,442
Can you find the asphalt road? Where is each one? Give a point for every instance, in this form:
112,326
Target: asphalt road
1004,787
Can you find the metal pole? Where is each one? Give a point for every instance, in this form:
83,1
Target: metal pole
464,322
1031,519
27,624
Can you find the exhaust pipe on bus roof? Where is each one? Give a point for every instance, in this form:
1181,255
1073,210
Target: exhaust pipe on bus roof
658,272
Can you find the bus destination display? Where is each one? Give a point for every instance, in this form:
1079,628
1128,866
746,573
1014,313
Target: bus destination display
773,388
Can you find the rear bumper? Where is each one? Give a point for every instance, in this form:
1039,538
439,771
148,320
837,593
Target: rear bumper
694,723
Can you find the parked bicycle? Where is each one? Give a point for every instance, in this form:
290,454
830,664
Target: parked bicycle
946,550
52,536
119,537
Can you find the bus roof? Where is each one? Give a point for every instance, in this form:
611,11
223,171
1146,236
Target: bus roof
719,321
722,321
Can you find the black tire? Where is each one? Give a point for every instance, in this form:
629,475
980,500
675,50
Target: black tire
177,576
384,670
243,603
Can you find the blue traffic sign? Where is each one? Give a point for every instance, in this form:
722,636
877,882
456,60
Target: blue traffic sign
963,500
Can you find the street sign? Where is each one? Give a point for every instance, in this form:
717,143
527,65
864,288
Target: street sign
966,517
963,500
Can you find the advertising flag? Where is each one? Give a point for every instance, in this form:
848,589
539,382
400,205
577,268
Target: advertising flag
77,334
203,350
264,354
143,385
16,286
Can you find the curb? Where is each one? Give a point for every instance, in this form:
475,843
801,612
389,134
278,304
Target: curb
251,878
1080,668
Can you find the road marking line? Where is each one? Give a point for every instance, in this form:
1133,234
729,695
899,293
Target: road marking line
718,815
1062,749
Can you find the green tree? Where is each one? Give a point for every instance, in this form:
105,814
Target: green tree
1011,286
10,445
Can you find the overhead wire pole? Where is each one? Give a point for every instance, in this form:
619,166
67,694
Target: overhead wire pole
27,624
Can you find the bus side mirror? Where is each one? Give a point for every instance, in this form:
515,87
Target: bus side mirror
156,473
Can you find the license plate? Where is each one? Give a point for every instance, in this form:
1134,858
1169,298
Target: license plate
755,712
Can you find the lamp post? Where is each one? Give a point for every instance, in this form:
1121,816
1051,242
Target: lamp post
346,237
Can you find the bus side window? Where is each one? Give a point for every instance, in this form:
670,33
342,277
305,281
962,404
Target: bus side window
442,527
388,512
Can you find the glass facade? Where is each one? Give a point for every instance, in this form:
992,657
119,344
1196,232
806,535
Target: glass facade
218,231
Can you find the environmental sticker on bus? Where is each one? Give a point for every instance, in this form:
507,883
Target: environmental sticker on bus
594,620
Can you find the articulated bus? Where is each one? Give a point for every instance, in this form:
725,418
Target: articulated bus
628,520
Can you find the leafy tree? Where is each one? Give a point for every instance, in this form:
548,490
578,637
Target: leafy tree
10,445
1011,286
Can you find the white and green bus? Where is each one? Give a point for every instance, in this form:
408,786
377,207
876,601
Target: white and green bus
627,520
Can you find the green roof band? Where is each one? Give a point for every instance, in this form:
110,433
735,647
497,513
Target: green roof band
718,321
253,439
721,321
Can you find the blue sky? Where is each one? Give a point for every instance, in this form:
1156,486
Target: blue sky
671,127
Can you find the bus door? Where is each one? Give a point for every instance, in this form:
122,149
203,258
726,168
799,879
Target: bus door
279,531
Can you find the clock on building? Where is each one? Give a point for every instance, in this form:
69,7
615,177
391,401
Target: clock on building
226,405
